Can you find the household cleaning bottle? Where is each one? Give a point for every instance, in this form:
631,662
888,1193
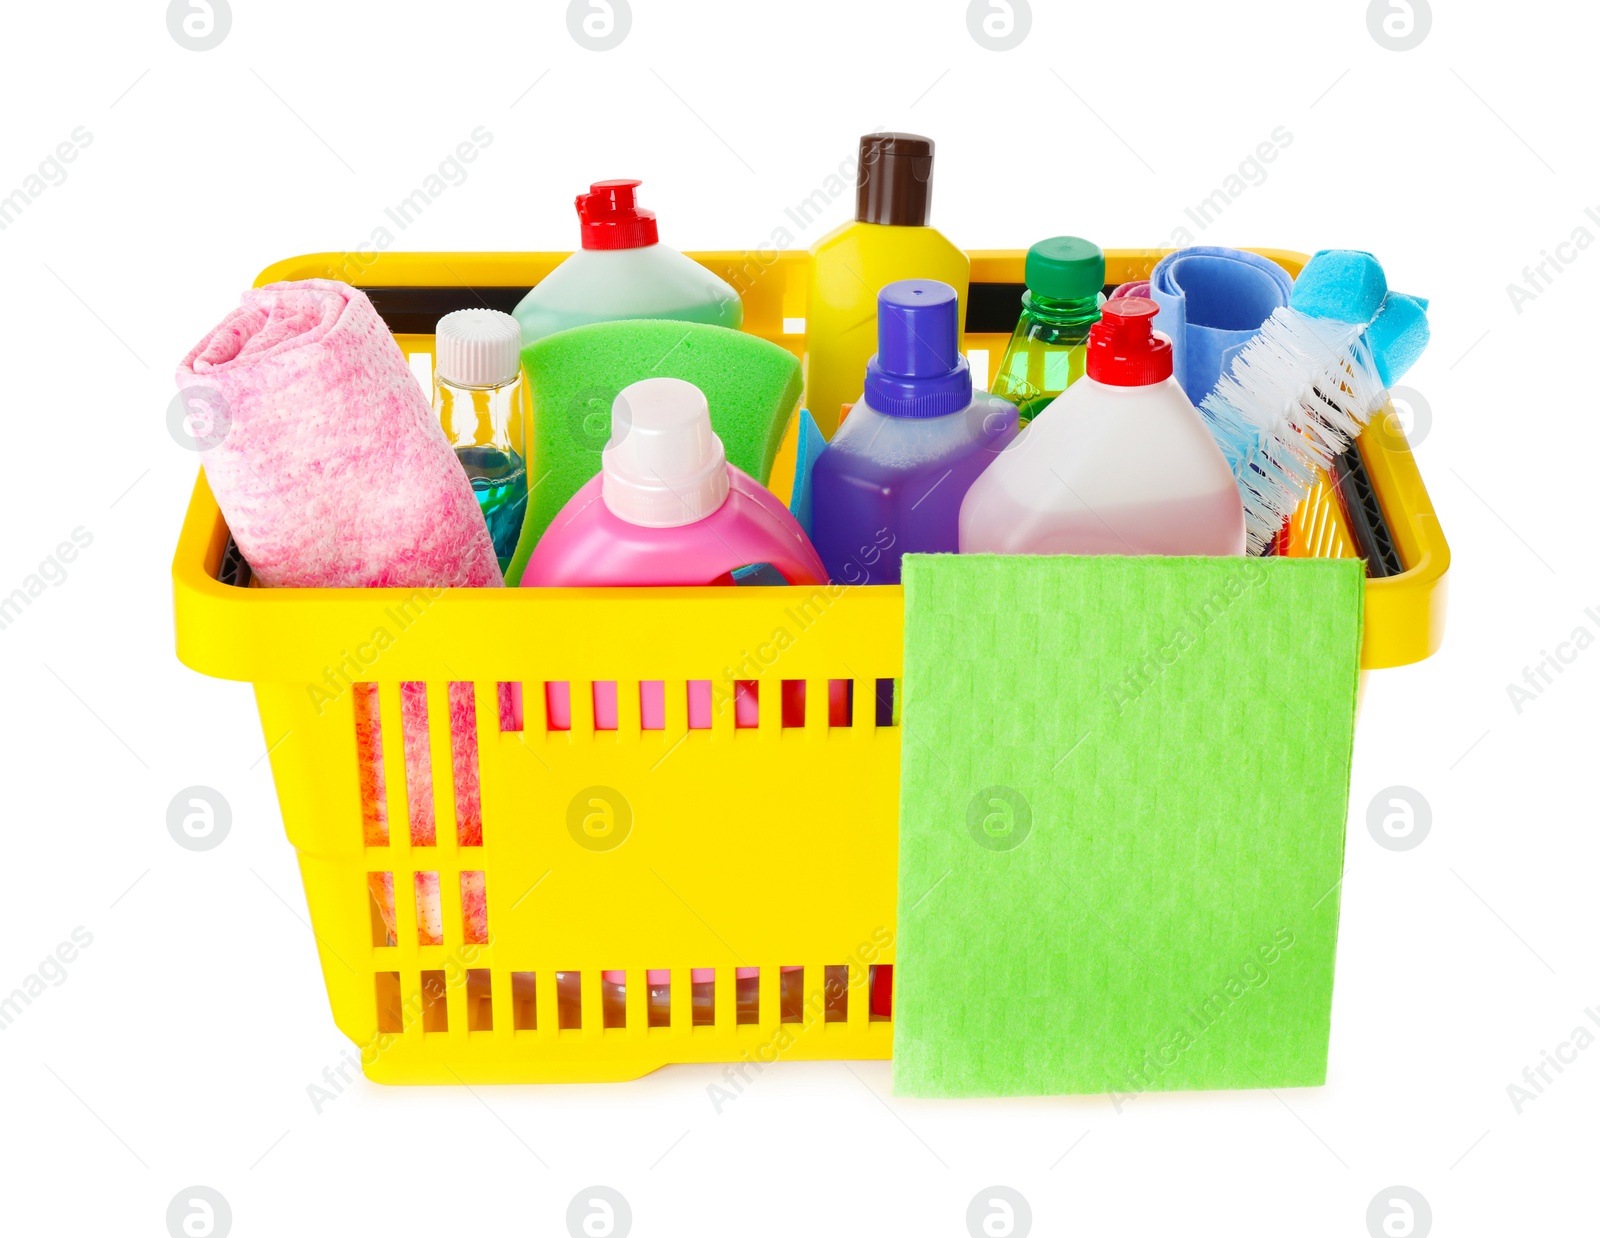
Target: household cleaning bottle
1047,352
478,394
1121,463
888,240
892,480
623,271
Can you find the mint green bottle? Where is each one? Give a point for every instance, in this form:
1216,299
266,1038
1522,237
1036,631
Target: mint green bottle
1046,354
623,271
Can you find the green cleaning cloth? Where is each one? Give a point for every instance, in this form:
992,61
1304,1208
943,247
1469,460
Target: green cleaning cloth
751,386
1122,815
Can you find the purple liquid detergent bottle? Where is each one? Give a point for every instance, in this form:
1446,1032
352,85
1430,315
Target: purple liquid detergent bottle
891,481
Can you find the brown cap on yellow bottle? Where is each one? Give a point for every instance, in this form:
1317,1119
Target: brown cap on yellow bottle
894,179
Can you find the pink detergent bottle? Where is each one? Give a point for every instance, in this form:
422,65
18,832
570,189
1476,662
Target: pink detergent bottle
1119,463
667,509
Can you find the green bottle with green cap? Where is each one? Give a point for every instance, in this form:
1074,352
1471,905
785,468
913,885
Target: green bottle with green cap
1046,354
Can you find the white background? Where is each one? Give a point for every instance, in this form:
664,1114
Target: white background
179,1048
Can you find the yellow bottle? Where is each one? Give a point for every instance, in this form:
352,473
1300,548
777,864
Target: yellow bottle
888,240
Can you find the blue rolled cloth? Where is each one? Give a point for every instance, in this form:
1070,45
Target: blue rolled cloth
1213,300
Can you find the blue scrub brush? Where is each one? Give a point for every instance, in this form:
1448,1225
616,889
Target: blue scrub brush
1301,391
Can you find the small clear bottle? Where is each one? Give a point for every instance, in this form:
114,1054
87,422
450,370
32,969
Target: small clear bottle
1065,275
478,395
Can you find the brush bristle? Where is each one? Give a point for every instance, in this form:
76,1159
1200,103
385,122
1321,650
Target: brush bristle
1294,398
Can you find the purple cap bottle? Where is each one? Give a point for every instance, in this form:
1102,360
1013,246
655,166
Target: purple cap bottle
918,370
892,479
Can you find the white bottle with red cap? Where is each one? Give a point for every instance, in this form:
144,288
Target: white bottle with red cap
623,271
1119,463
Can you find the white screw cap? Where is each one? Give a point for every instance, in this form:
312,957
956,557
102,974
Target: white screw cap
663,466
477,348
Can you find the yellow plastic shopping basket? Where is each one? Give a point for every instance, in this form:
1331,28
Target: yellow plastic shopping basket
632,851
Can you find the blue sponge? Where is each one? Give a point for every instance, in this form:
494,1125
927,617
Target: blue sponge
808,446
1398,335
1346,285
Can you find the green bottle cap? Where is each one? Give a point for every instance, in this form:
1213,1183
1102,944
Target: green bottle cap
1065,268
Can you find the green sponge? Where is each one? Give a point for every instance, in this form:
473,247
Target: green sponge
751,385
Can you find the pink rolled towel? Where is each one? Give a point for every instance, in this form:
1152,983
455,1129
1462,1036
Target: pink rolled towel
331,467
332,471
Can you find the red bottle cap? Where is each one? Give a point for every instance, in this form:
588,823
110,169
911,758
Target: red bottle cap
611,220
1124,348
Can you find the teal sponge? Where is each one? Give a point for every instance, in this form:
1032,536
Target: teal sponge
1346,285
1398,335
751,385
809,444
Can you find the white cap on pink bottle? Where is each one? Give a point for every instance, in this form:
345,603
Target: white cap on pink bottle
664,467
